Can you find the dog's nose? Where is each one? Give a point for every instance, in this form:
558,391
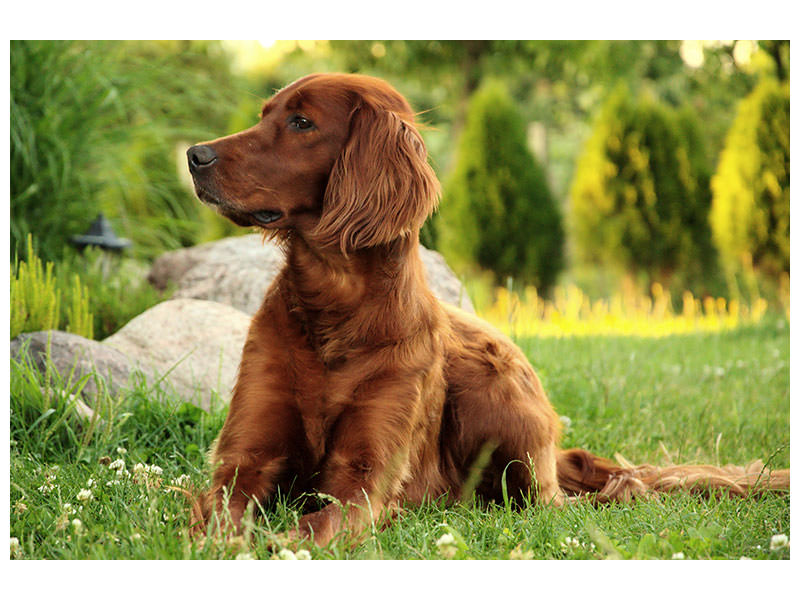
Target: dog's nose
200,157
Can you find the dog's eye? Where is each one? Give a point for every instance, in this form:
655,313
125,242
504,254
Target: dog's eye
300,123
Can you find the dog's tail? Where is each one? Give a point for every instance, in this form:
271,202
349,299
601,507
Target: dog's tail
581,473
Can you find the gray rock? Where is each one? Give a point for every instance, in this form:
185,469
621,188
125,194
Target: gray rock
238,270
195,345
190,347
76,355
443,281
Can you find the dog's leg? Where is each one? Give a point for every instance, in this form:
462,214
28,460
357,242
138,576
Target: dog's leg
249,467
369,461
260,436
496,401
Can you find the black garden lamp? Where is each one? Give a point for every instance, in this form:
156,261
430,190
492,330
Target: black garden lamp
102,235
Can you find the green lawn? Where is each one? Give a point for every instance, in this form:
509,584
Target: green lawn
703,398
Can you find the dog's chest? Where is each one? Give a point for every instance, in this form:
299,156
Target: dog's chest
320,401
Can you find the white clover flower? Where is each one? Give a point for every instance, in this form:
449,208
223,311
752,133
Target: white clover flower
112,482
46,487
85,495
303,554
287,554
566,421
246,556
678,556
147,474
745,558
446,540
181,480
117,465
62,521
14,544
519,554
570,543
135,537
778,542
20,507
447,545
77,525
91,483
121,450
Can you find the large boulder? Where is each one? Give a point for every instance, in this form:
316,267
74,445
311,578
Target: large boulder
196,344
74,356
238,270
190,347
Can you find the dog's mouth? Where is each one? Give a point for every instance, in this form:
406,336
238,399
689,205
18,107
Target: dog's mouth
266,217
258,217
207,197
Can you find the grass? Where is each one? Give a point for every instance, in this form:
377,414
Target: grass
97,126
713,397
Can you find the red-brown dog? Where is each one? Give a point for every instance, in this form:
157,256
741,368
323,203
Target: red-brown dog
355,380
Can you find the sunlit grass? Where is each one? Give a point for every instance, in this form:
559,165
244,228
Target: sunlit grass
572,313
712,398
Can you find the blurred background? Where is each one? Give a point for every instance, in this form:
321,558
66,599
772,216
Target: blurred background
583,182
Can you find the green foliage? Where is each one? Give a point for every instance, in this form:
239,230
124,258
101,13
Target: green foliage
639,199
35,299
60,102
36,294
116,286
750,209
98,126
561,83
79,319
497,211
89,293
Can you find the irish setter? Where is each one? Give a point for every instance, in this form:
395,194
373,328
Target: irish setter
355,381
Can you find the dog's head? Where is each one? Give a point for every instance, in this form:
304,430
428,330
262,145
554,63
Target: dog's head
335,157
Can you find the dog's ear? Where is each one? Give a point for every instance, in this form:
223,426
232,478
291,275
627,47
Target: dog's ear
381,186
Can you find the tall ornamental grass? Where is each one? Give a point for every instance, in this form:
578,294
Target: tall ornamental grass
95,127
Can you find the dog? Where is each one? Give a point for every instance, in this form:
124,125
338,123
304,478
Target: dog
355,381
